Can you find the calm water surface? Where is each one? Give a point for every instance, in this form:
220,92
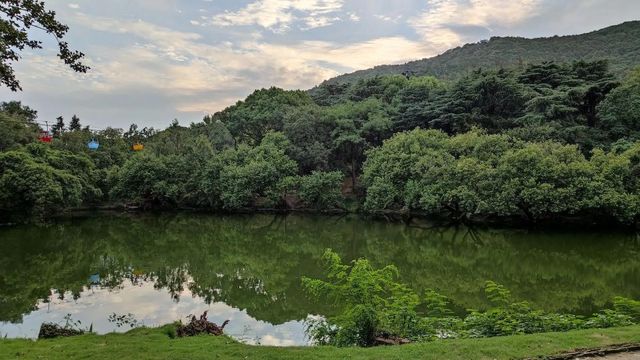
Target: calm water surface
161,268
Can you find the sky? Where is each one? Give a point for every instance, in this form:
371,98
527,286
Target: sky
153,61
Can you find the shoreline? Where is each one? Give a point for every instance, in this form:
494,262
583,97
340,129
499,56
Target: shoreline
155,343
400,216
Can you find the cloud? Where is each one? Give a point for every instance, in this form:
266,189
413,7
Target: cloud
191,75
150,71
278,15
73,6
316,22
394,19
360,55
438,24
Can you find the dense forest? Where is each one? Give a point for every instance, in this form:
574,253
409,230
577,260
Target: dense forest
546,142
619,43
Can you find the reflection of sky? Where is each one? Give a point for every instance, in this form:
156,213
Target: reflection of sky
153,308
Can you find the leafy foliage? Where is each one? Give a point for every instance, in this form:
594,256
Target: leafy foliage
475,174
261,112
321,189
620,111
371,302
17,125
37,181
371,299
19,17
545,141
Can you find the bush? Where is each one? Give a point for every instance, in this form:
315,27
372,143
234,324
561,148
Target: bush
321,190
627,307
373,308
371,303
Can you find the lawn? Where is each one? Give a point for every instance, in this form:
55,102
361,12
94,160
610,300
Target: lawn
145,343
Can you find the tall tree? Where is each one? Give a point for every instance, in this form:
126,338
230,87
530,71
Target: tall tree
17,18
15,108
263,111
358,127
75,123
620,110
58,128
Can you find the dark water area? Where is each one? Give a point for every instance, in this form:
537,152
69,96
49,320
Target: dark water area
247,268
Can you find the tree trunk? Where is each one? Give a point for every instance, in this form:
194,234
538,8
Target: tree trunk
353,174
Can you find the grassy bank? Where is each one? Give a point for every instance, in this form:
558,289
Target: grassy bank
155,344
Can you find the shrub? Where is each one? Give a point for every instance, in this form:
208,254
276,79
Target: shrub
321,190
371,301
376,309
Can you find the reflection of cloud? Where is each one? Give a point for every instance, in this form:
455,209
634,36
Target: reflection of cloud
153,308
270,340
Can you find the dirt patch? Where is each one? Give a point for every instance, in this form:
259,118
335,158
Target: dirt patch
618,352
620,356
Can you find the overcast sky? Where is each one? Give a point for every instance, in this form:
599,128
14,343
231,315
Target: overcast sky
156,60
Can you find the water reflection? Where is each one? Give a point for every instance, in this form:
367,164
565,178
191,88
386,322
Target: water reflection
249,267
151,307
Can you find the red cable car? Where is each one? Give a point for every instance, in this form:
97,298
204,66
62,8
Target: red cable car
45,137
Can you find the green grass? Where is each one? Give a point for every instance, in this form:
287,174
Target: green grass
147,343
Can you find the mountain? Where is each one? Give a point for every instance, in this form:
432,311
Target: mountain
620,44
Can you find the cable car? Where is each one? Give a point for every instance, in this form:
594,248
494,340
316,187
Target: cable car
45,137
137,147
93,144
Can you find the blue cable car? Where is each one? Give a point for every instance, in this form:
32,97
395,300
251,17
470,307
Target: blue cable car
93,144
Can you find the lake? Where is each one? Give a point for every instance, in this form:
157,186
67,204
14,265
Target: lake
247,268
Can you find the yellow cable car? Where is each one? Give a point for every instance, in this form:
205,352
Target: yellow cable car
137,147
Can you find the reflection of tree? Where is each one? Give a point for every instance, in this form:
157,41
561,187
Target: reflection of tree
255,262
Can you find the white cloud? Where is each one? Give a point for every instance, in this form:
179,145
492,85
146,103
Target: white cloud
438,22
148,73
312,22
202,77
361,55
388,18
74,6
278,15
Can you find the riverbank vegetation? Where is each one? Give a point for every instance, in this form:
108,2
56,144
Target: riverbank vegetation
373,308
544,142
376,309
145,343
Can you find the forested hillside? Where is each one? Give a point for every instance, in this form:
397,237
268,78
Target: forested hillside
546,141
620,44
